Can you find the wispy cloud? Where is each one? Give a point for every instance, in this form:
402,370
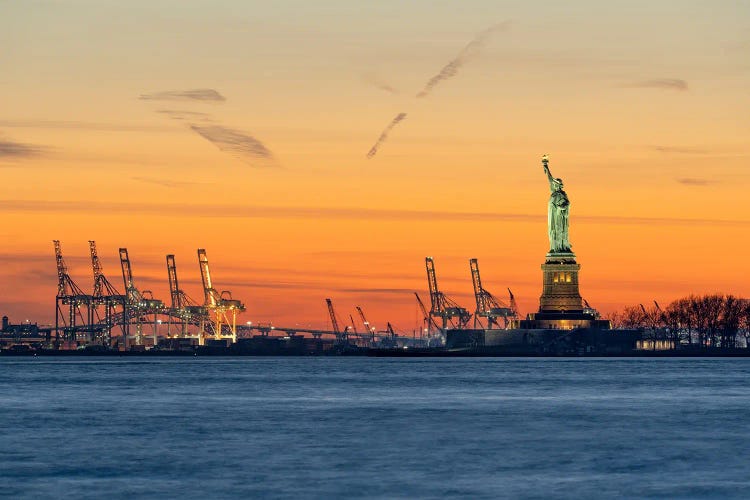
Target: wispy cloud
178,114
353,213
679,150
169,183
18,150
661,83
245,147
467,53
384,135
689,181
203,95
378,83
448,71
65,124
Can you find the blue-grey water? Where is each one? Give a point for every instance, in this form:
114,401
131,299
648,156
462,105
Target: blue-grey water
374,427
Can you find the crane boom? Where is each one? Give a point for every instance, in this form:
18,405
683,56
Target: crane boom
174,288
97,267
366,323
334,322
432,284
513,305
478,290
131,291
389,329
429,321
102,286
63,280
208,289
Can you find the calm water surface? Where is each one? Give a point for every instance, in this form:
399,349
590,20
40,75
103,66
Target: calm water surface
381,428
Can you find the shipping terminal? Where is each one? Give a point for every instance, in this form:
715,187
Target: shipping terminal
134,322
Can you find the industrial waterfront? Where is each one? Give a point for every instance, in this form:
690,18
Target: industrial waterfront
106,321
109,322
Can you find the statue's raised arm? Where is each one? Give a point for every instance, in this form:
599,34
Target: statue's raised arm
545,164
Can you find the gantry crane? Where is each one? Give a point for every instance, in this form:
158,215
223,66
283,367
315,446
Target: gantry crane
513,305
106,296
182,306
391,333
69,294
388,336
370,330
139,303
488,306
354,327
441,306
222,305
427,320
341,336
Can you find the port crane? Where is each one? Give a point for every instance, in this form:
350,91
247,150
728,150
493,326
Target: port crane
442,307
513,305
140,304
71,297
488,306
369,330
106,296
427,320
222,305
182,306
341,336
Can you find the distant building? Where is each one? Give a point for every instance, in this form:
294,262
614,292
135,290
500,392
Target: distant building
22,333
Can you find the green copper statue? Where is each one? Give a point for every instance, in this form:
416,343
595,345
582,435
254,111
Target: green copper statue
557,213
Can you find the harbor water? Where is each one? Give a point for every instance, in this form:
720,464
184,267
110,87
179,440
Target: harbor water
338,427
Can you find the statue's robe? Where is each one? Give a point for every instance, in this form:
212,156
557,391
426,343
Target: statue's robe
557,221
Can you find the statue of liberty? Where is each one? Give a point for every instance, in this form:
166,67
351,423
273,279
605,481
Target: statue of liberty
557,213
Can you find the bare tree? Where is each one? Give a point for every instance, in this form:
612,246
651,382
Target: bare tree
729,322
715,320
745,320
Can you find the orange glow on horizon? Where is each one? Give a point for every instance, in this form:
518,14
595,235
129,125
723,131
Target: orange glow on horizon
646,134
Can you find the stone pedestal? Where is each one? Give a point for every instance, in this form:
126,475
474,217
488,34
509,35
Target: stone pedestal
560,284
561,305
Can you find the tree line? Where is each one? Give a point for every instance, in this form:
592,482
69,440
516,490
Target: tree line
708,321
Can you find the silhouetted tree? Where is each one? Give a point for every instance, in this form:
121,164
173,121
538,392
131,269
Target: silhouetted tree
715,320
745,320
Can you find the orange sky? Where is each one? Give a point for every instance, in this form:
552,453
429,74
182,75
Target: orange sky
642,108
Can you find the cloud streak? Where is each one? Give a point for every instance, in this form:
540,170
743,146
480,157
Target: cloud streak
74,125
467,53
661,83
448,71
679,150
182,115
18,150
689,181
264,212
384,135
163,182
201,95
245,147
378,83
